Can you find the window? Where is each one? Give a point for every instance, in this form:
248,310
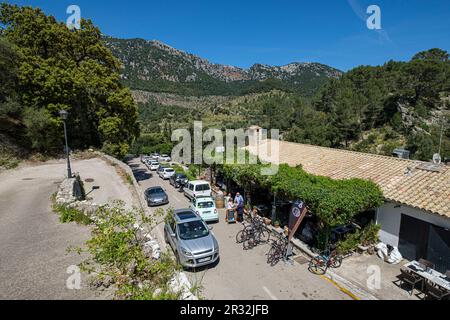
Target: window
193,230
155,191
205,205
202,187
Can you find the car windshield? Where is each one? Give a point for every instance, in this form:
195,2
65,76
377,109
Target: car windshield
181,176
169,170
192,230
205,204
155,191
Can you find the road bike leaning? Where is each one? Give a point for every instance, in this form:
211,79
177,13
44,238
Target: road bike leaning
278,250
327,259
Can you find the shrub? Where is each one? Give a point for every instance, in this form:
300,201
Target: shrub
68,214
116,252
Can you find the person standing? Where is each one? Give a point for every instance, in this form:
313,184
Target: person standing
239,202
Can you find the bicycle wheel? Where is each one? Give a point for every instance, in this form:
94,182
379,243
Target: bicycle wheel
241,236
318,266
263,236
336,261
249,243
271,255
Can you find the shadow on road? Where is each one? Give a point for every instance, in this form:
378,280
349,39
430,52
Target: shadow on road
204,268
141,174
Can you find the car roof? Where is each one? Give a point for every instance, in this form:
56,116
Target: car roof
185,215
199,182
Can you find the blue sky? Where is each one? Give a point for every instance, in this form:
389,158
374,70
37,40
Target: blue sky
245,32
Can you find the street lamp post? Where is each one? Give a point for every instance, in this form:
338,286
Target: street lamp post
64,114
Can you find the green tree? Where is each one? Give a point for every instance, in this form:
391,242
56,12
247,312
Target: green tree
71,70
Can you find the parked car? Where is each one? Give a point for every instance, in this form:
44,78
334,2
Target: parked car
160,168
156,196
155,156
191,239
178,179
205,207
144,158
153,165
166,173
198,188
165,158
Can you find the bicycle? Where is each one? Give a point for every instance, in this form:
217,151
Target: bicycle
328,259
253,234
277,251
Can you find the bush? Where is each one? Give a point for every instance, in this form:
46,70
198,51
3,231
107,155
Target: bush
116,252
365,237
350,243
67,215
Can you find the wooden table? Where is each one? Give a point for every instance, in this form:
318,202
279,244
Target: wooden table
431,276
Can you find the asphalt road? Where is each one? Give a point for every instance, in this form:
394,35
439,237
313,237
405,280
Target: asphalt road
33,243
240,274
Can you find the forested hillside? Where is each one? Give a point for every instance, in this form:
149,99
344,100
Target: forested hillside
156,67
45,68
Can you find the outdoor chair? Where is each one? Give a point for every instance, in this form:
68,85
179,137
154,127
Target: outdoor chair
436,293
426,263
411,279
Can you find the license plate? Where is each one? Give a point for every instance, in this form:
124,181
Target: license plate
204,259
207,212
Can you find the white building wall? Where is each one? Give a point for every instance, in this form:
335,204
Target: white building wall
389,217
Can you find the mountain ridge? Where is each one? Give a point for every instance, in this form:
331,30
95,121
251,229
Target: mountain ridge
162,66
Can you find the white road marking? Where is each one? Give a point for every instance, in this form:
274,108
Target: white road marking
269,293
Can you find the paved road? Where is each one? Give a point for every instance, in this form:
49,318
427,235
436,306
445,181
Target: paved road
244,274
33,243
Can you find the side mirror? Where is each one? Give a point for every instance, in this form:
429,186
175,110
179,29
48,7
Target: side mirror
210,228
173,235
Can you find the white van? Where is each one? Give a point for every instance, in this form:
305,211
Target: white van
198,188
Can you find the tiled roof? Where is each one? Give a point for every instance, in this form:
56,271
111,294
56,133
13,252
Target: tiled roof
401,180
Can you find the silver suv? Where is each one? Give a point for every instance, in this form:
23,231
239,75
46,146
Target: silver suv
191,239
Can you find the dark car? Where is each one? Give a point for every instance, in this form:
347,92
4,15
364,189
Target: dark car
177,179
156,196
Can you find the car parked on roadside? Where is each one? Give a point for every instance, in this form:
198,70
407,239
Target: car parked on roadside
205,207
161,168
144,158
197,188
156,196
178,179
165,158
166,173
191,239
153,165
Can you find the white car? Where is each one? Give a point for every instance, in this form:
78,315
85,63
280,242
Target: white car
166,173
205,207
198,188
153,165
165,158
